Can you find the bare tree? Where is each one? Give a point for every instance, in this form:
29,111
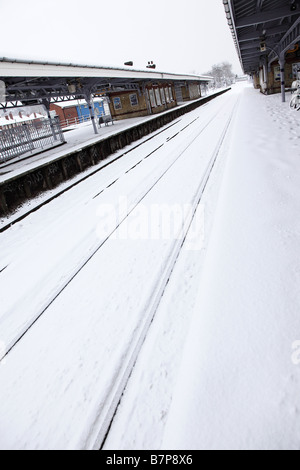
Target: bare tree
222,73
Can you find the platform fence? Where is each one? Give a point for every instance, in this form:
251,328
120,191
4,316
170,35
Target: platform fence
29,137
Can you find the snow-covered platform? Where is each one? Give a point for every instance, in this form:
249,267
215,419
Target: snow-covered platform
76,137
239,383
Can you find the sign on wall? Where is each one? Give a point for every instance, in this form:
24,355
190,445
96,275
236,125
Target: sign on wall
277,76
117,103
296,69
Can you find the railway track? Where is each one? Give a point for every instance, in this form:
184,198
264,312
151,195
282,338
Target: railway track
12,342
105,418
18,218
156,297
71,185
3,269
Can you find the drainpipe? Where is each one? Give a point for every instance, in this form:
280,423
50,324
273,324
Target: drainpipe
282,75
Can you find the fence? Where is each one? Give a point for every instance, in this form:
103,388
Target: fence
73,121
29,137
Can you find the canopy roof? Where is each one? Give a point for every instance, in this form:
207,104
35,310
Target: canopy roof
255,23
32,81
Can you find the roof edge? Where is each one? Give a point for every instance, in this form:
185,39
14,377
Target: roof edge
107,68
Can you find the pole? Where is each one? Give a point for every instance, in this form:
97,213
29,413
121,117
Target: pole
88,98
282,76
46,103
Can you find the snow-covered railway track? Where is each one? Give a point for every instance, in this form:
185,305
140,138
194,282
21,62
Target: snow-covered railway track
70,368
17,332
70,185
156,297
3,269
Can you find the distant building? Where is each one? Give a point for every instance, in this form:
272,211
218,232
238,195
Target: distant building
152,99
134,103
76,111
12,117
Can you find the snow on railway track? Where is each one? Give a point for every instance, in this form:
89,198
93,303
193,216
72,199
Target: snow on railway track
156,297
51,195
71,366
41,278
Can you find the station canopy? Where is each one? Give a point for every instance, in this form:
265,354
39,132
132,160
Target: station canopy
32,82
263,29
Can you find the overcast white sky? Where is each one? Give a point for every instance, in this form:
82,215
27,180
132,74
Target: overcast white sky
179,36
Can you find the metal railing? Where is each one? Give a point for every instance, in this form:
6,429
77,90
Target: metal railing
73,121
29,137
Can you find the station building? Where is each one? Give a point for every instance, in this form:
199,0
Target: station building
152,98
129,92
269,80
75,111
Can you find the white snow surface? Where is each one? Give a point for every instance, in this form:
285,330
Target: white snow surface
239,382
217,368
77,137
58,379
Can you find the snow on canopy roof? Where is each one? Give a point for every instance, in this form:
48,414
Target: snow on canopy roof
71,103
27,68
24,110
18,119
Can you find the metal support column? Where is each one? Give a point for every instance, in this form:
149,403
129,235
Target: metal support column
88,98
282,75
46,104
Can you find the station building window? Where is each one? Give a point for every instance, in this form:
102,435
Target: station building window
117,103
134,100
157,95
167,95
162,94
170,93
152,98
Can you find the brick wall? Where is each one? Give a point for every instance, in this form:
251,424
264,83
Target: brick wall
65,114
59,111
127,104
185,93
71,114
274,81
